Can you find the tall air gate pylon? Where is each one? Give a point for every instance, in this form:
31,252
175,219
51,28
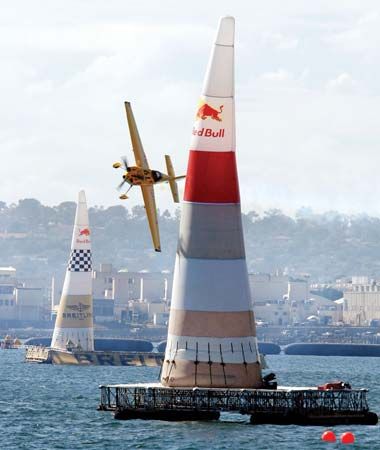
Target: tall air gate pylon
212,335
74,326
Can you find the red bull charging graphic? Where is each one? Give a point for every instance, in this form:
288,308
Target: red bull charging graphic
84,232
206,111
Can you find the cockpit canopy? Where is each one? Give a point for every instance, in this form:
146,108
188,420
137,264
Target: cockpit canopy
156,175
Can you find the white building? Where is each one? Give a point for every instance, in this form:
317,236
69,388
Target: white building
18,300
361,302
282,300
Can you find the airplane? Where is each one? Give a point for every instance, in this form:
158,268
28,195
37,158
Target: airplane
141,175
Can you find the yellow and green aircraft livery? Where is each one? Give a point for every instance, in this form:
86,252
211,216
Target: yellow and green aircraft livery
141,175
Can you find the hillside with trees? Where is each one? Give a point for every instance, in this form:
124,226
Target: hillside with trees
36,239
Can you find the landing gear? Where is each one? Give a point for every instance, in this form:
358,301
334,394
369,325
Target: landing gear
125,196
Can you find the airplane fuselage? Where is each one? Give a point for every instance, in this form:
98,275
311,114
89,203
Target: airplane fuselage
137,176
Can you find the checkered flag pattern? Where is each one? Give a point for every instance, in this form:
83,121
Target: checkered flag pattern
80,261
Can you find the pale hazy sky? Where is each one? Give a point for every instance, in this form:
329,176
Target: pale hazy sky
307,97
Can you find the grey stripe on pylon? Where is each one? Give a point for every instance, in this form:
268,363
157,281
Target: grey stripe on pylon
219,285
211,231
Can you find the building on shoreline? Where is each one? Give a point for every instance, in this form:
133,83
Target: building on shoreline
362,302
145,297
21,300
282,300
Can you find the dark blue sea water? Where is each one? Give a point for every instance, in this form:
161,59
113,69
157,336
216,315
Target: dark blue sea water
54,407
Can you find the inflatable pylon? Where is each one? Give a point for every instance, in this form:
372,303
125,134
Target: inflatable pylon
212,335
74,326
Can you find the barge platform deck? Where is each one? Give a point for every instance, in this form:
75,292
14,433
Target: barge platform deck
285,405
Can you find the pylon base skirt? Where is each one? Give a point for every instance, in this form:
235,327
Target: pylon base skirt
184,373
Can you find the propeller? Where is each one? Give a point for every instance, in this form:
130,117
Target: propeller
124,163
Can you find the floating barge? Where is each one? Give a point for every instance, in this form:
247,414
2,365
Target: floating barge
44,355
300,406
104,344
332,349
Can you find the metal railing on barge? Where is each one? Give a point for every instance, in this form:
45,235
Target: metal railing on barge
243,401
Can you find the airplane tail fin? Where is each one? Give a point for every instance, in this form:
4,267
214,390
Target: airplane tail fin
172,178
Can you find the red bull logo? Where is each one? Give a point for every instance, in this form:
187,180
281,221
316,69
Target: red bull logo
208,111
84,232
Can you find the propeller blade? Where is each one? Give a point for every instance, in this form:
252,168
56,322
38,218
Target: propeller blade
121,185
125,162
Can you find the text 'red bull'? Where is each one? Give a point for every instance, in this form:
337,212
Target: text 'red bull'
208,132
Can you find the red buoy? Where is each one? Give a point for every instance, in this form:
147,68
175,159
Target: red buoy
329,436
347,438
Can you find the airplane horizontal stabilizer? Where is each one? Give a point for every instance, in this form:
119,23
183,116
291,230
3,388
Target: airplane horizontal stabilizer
172,178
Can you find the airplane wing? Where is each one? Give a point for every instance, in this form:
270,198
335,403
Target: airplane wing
138,149
151,212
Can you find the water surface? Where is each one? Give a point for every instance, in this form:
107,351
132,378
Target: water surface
54,407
